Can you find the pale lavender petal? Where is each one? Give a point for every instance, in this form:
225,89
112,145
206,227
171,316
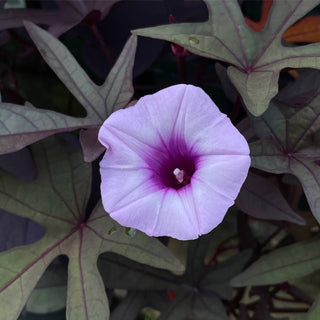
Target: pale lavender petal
215,185
219,139
157,213
174,164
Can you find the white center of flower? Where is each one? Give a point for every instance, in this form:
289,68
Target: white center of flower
179,174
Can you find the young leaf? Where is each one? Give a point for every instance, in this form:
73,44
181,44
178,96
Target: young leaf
289,144
57,200
286,263
305,30
261,199
22,125
256,58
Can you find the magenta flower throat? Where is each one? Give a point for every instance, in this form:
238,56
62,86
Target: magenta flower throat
174,164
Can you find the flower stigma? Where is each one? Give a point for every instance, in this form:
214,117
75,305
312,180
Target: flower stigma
179,174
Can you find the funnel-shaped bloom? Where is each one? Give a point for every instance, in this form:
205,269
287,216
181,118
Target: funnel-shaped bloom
174,164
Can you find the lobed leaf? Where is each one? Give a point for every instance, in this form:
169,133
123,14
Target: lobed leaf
64,185
198,292
256,58
23,125
289,144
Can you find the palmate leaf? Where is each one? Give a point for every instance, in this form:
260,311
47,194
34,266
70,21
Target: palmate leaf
22,125
68,14
256,58
57,200
283,264
199,290
289,144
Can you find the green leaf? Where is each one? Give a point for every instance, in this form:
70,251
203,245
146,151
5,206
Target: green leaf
288,144
130,306
256,58
191,305
198,291
314,311
217,280
57,200
50,294
259,198
286,263
23,125
122,273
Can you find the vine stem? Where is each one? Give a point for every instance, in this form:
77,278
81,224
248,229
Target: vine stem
275,233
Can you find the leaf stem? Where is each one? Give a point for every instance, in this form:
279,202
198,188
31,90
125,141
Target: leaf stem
274,234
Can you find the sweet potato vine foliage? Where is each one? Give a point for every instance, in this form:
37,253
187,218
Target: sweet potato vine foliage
109,139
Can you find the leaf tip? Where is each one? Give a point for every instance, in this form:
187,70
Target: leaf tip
28,24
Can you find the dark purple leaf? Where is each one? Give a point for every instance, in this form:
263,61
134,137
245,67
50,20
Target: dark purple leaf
17,231
20,164
261,199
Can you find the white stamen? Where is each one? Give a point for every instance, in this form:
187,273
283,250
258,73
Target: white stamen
179,174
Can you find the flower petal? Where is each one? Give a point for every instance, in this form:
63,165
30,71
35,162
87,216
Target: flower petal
220,139
158,213
176,128
215,184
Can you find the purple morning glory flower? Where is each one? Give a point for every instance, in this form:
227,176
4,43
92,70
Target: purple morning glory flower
174,164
